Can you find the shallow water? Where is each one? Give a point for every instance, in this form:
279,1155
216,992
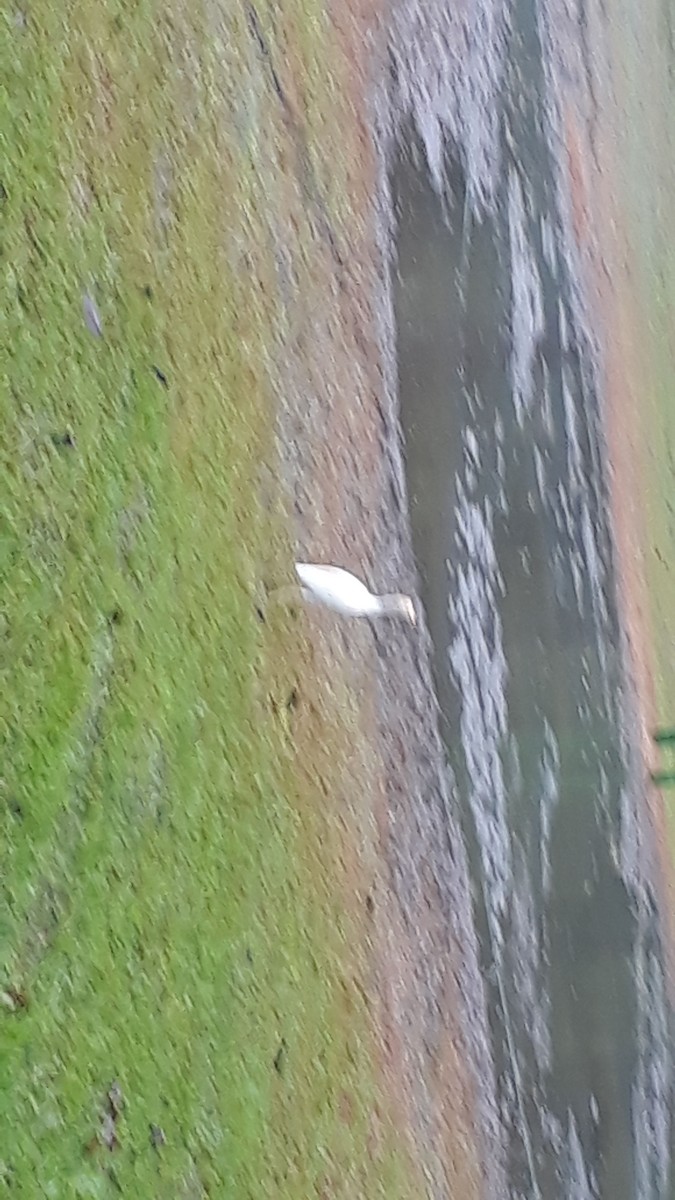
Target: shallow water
511,534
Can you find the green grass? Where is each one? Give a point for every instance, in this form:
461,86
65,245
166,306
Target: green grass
658,425
170,912
645,185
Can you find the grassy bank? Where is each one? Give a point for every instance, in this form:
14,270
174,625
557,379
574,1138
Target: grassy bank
645,185
177,1011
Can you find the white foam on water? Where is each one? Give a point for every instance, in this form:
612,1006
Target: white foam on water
478,666
527,306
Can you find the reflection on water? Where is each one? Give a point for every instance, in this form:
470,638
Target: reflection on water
511,536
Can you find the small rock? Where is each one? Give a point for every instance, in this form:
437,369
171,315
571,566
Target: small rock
160,376
92,317
108,1133
63,439
115,1098
13,999
157,1136
279,1057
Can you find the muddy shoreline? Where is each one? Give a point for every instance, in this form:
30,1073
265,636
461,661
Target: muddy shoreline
340,446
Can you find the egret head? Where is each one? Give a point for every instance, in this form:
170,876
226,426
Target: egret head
403,606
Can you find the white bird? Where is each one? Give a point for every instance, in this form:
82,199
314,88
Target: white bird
344,593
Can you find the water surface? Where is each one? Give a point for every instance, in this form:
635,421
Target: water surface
511,532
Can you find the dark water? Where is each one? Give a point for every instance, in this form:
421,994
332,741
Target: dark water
511,534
